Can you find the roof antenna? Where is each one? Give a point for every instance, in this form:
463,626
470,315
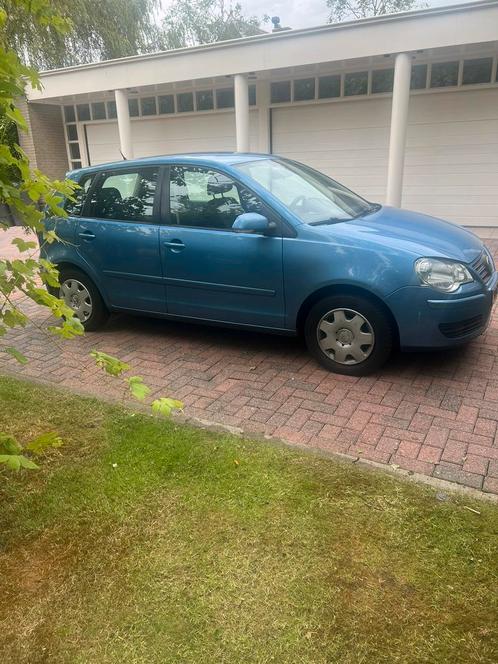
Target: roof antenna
122,155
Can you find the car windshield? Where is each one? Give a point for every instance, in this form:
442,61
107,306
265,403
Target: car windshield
313,197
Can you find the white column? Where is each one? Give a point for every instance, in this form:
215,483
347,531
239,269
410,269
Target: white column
124,124
399,123
263,102
241,90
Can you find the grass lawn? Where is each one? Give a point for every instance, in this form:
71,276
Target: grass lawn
204,547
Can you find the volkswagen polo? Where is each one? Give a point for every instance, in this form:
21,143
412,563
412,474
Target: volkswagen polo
261,242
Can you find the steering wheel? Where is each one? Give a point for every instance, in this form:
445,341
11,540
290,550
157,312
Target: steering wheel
297,202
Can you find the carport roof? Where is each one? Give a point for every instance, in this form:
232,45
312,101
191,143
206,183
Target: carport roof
438,27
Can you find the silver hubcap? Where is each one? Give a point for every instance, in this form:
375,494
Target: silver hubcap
76,295
345,336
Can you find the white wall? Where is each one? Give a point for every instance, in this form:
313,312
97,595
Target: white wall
168,135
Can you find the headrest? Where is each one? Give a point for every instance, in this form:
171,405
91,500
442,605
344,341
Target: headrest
219,184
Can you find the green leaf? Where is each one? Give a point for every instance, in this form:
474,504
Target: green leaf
164,406
17,461
44,441
14,317
137,387
24,245
8,444
16,354
111,365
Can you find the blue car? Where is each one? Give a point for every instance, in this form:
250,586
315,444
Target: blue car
264,243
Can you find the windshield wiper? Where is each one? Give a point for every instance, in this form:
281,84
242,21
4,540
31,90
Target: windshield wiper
325,222
374,207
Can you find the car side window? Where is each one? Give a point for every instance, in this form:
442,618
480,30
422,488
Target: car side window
74,208
126,196
204,198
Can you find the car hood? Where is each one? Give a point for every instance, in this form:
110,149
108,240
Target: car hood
416,233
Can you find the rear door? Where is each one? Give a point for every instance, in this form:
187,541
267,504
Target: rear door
118,236
212,272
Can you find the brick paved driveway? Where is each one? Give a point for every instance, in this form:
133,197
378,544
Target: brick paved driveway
435,414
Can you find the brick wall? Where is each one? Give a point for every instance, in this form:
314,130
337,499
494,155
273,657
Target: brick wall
44,142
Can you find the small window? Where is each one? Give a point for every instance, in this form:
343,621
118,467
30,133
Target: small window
72,132
204,100
74,149
477,71
185,102
444,74
133,108
203,198
166,104
83,112
111,110
280,92
419,77
382,80
98,111
127,196
329,86
75,165
304,89
356,83
225,98
148,106
73,208
69,115
252,95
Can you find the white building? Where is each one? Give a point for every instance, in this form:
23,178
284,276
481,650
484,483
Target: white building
401,108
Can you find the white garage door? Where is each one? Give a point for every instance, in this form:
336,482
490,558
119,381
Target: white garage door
346,140
451,165
158,136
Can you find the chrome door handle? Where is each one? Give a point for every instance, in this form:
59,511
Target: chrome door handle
87,235
174,245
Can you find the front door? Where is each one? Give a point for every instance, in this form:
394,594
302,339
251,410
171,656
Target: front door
118,235
212,272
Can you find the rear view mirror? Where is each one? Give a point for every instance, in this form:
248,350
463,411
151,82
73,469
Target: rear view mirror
252,222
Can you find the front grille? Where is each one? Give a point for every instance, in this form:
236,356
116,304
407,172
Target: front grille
483,266
462,327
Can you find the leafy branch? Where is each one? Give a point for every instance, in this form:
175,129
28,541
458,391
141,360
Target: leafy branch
33,196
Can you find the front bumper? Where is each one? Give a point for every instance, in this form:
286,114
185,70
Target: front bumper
427,319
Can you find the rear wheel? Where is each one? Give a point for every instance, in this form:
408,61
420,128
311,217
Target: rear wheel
80,293
349,335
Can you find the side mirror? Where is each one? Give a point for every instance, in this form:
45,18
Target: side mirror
252,222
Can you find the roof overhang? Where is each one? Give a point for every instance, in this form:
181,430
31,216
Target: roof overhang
439,27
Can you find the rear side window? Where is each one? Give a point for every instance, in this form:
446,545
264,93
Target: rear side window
73,208
126,196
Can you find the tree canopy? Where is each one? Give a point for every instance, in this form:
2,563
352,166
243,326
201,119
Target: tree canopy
91,31
343,10
193,22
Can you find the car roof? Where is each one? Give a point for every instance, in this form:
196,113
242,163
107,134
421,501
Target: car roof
201,158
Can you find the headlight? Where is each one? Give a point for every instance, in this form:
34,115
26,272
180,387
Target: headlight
445,276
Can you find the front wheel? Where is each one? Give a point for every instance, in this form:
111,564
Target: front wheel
349,335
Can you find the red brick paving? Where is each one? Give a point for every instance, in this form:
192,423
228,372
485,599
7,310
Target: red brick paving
434,414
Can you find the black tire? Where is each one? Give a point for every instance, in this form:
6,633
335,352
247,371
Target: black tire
99,312
377,328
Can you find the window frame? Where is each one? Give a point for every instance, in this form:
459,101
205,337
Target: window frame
154,219
282,227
